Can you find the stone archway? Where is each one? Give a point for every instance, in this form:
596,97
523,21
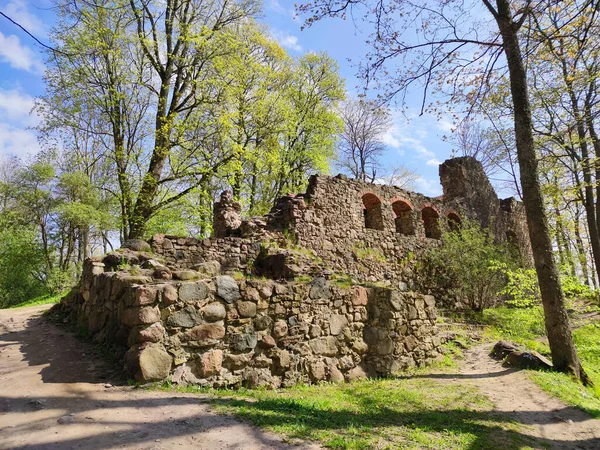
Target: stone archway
454,221
403,213
372,212
431,224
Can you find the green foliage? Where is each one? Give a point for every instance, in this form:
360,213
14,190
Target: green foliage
522,286
522,325
465,266
21,266
43,300
575,289
363,252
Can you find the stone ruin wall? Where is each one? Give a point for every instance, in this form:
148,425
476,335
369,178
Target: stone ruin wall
222,332
206,328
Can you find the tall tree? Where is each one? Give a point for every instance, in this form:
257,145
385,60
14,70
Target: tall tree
361,145
445,30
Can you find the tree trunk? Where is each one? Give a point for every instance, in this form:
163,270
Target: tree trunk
564,355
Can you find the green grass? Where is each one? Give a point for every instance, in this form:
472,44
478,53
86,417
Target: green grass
43,300
526,326
417,412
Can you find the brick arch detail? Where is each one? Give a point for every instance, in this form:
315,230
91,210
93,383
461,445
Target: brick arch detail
429,205
403,200
369,199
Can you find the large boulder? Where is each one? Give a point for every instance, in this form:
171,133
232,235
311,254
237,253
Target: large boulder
227,288
148,362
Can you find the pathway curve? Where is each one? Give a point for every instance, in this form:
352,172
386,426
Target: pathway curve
52,397
514,394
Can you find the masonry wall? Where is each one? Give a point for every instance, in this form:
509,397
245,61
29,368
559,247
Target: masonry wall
222,332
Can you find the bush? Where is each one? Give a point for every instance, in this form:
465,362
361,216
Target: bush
466,266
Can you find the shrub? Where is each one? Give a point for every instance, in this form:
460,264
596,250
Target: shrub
465,266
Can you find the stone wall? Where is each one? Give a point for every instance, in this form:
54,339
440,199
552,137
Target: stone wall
373,233
222,332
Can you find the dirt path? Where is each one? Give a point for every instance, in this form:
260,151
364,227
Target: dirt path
51,397
515,395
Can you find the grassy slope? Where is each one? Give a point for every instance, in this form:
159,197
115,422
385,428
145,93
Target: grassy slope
44,300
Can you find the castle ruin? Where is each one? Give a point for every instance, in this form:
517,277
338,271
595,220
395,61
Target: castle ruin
321,288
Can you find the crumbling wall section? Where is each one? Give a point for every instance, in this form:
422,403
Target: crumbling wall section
223,332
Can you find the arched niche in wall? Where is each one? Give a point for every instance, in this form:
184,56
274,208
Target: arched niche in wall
453,221
430,222
372,212
403,213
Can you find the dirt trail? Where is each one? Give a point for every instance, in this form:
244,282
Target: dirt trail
515,395
52,397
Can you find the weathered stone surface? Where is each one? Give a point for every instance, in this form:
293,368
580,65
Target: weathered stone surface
148,362
528,360
206,331
226,215
280,329
324,346
193,292
335,376
188,317
357,373
214,312
267,341
137,245
185,275
208,364
360,296
337,323
246,309
227,288
504,348
262,323
162,273
236,361
209,268
140,316
169,295
318,371
152,333
243,341
320,289
145,295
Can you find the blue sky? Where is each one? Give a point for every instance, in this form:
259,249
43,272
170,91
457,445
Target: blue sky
416,144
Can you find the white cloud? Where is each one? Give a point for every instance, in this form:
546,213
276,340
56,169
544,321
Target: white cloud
16,105
445,125
19,56
400,138
433,162
17,10
17,141
431,188
286,40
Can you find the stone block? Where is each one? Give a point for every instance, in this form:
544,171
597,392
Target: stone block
208,364
246,309
152,333
208,268
262,323
205,332
280,329
320,289
193,292
145,295
227,288
243,341
188,317
148,362
140,316
360,296
169,295
326,346
358,373
337,323
317,370
214,312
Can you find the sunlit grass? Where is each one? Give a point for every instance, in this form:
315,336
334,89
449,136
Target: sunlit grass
43,300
